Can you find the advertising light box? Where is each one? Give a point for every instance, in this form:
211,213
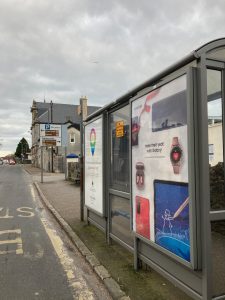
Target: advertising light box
94,166
160,168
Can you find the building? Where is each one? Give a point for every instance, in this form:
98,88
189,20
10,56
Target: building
215,143
73,139
58,114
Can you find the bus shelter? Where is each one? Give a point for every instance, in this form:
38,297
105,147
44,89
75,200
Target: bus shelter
154,172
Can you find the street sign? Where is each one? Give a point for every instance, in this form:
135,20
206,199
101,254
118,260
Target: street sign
50,130
50,135
48,141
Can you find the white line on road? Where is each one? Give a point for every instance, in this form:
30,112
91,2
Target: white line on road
7,216
18,231
17,241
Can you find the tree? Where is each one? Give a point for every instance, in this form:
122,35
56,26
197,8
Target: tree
22,148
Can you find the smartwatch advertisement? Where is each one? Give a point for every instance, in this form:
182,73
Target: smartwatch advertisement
160,168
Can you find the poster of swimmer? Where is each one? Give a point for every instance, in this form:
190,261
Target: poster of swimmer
172,230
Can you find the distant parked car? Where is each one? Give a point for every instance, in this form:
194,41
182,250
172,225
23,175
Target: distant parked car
12,162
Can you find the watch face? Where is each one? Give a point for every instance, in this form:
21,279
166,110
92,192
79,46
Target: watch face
175,154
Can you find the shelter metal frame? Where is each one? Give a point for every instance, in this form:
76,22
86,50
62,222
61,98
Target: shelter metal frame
196,282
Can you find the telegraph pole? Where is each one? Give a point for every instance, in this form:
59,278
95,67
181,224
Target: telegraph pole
83,114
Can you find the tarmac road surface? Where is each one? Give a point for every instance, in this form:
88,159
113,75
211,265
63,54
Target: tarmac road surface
37,261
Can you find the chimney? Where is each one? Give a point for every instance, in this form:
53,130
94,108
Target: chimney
83,106
34,111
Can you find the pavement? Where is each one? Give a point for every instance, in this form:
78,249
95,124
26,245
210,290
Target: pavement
112,263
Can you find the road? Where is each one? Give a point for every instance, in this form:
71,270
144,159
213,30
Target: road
36,258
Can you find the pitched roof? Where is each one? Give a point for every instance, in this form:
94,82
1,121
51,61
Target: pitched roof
61,113
76,126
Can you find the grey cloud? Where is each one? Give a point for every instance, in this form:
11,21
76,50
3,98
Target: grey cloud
50,48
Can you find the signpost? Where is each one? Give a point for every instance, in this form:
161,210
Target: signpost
50,135
41,164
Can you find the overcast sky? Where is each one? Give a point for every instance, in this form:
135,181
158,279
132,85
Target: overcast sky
61,50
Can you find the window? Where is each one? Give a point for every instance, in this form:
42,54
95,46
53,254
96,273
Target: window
72,138
211,152
120,170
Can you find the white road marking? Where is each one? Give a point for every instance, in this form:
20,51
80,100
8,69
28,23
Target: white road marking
32,192
24,211
18,231
17,241
7,216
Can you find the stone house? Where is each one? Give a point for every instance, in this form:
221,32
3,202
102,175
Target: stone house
65,115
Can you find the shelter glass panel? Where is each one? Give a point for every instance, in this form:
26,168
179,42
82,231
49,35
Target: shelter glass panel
119,140
215,139
218,257
120,214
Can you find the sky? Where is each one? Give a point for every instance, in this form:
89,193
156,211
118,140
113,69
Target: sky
62,50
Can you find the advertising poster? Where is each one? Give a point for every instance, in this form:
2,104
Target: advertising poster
172,217
160,167
94,166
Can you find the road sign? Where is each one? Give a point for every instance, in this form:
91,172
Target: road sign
50,134
50,130
50,141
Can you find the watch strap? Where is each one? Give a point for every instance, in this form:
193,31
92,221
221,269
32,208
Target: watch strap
175,141
176,169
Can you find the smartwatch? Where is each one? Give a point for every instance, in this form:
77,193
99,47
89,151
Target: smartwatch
175,155
140,174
